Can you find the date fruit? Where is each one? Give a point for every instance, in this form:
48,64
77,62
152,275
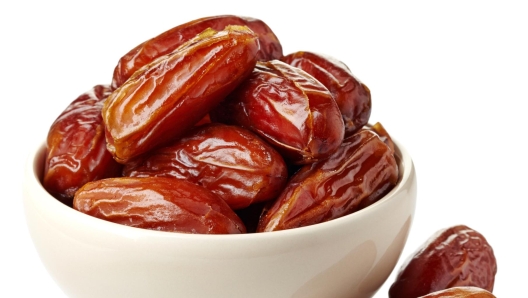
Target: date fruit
288,108
378,129
352,96
362,169
453,257
460,292
76,147
168,41
230,161
158,203
164,99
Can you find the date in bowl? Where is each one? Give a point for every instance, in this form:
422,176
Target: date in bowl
351,256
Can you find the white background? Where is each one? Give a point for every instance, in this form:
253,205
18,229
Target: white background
449,81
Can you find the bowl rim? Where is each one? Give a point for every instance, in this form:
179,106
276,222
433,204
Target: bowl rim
34,169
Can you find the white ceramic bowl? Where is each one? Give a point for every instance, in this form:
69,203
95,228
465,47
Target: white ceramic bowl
348,257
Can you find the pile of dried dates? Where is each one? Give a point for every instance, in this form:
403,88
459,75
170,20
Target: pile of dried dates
209,128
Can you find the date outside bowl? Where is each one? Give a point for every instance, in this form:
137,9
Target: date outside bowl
350,256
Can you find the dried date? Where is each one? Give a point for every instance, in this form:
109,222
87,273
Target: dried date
164,99
362,169
76,147
460,292
288,108
452,257
158,203
378,129
168,41
230,161
352,96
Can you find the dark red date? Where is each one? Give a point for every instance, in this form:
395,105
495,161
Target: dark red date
362,169
166,98
76,147
460,292
230,161
158,203
288,108
351,95
168,41
453,257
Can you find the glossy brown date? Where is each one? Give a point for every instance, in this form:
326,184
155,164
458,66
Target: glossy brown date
362,169
158,203
168,41
453,257
378,129
352,96
287,107
76,147
164,99
460,292
230,161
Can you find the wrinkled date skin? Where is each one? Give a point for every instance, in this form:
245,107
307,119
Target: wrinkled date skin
230,161
362,169
158,203
288,108
382,133
168,41
352,96
453,257
164,99
461,292
76,147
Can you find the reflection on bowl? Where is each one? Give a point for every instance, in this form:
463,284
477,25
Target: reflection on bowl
350,256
